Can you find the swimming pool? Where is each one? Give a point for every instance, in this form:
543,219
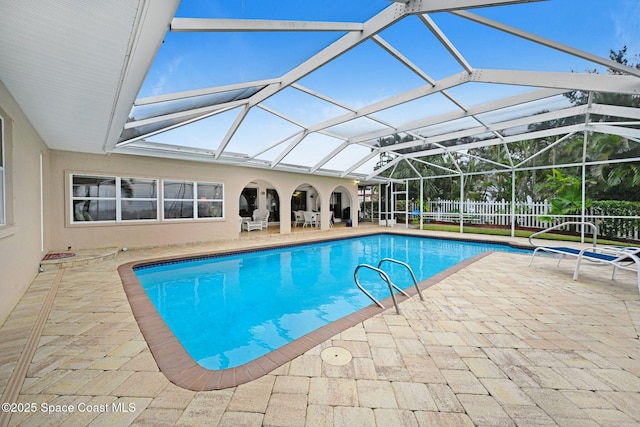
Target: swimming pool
229,310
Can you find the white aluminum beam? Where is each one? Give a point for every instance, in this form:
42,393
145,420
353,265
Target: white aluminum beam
215,109
433,165
478,109
585,82
173,126
329,156
272,146
487,143
361,162
548,147
393,163
549,43
400,57
493,127
426,6
201,92
403,59
280,115
379,22
321,96
392,102
412,167
263,25
493,162
289,148
232,130
445,42
615,130
617,111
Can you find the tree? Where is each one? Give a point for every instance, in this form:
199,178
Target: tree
581,98
566,192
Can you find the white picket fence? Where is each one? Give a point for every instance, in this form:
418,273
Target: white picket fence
527,214
494,213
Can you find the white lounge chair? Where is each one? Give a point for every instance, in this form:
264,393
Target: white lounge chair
625,258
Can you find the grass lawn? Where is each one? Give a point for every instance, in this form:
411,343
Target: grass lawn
455,228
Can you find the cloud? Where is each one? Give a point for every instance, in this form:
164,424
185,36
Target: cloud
166,77
627,26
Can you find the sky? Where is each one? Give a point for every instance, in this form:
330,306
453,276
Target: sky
367,73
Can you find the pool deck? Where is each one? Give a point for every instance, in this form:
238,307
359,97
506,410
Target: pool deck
495,343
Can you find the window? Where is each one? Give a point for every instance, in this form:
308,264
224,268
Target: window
113,199
139,199
93,198
192,200
209,200
3,216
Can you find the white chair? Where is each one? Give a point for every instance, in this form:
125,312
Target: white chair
262,216
298,218
309,219
252,225
624,258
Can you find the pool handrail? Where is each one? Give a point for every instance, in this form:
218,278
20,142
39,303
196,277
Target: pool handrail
386,278
593,226
413,276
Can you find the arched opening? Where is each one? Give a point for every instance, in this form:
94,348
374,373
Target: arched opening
342,206
259,206
306,205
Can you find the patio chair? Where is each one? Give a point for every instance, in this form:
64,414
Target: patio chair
625,258
309,219
249,225
298,218
262,216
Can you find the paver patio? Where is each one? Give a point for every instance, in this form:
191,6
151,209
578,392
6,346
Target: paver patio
496,343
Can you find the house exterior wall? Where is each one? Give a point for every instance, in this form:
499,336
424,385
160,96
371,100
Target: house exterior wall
64,233
22,239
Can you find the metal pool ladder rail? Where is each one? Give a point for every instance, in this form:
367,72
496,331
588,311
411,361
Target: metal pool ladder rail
386,278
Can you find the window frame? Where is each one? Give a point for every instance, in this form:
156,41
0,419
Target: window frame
194,199
120,199
117,199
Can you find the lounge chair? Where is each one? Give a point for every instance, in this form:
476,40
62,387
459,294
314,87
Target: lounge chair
625,258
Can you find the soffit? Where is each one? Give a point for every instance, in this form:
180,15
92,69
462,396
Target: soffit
68,64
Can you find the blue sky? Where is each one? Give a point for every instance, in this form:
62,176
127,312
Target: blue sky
367,73
196,60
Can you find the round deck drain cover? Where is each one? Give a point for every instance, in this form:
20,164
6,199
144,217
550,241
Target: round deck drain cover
336,356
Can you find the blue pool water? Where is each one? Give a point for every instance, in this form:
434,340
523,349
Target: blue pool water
229,310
